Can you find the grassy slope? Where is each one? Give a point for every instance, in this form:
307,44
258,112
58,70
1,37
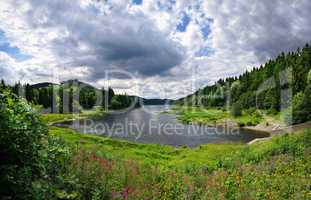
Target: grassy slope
166,156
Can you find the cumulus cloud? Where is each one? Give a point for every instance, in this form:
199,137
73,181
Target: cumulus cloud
169,54
263,27
5,67
101,40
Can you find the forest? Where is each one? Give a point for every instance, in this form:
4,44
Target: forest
282,84
70,96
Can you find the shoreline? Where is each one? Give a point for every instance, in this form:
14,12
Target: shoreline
274,131
273,128
280,129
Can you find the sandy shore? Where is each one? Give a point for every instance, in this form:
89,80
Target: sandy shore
277,129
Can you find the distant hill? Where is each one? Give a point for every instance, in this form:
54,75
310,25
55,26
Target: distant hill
280,83
77,82
42,85
69,82
156,101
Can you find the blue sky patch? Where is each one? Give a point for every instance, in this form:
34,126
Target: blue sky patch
12,51
137,2
167,5
182,26
206,28
205,51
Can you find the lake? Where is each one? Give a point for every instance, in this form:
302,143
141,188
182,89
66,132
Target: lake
153,124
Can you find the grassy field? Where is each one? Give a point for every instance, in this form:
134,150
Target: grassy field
279,168
274,169
212,116
58,117
154,154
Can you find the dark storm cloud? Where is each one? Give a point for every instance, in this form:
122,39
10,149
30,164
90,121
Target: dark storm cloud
117,40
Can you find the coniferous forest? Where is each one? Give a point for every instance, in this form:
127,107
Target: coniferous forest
51,96
281,84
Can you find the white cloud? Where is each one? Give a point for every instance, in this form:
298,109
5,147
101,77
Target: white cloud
82,39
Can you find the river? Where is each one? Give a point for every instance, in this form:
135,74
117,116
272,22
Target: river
153,124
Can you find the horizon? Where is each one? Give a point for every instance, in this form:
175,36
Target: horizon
161,49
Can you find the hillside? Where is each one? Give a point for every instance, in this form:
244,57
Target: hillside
42,85
281,84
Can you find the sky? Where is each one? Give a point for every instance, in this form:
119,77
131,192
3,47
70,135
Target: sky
150,48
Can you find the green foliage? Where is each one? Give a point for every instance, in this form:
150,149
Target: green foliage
300,110
236,109
96,112
309,78
261,87
200,115
87,97
71,96
251,117
123,101
20,144
235,90
295,114
267,169
31,160
116,103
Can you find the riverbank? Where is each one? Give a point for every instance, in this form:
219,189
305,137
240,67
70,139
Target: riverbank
52,118
252,119
152,153
279,130
164,155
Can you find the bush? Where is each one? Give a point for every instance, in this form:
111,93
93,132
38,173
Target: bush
20,146
31,161
236,109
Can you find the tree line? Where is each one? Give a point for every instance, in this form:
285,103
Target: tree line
70,96
281,84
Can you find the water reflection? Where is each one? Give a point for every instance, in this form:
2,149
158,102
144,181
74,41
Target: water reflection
153,124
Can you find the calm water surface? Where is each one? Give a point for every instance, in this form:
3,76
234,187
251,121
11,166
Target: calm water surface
152,124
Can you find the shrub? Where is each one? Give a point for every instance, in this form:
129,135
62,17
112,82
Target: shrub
31,161
236,109
20,146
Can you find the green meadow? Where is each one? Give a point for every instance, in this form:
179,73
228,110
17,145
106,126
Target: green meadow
48,162
279,167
